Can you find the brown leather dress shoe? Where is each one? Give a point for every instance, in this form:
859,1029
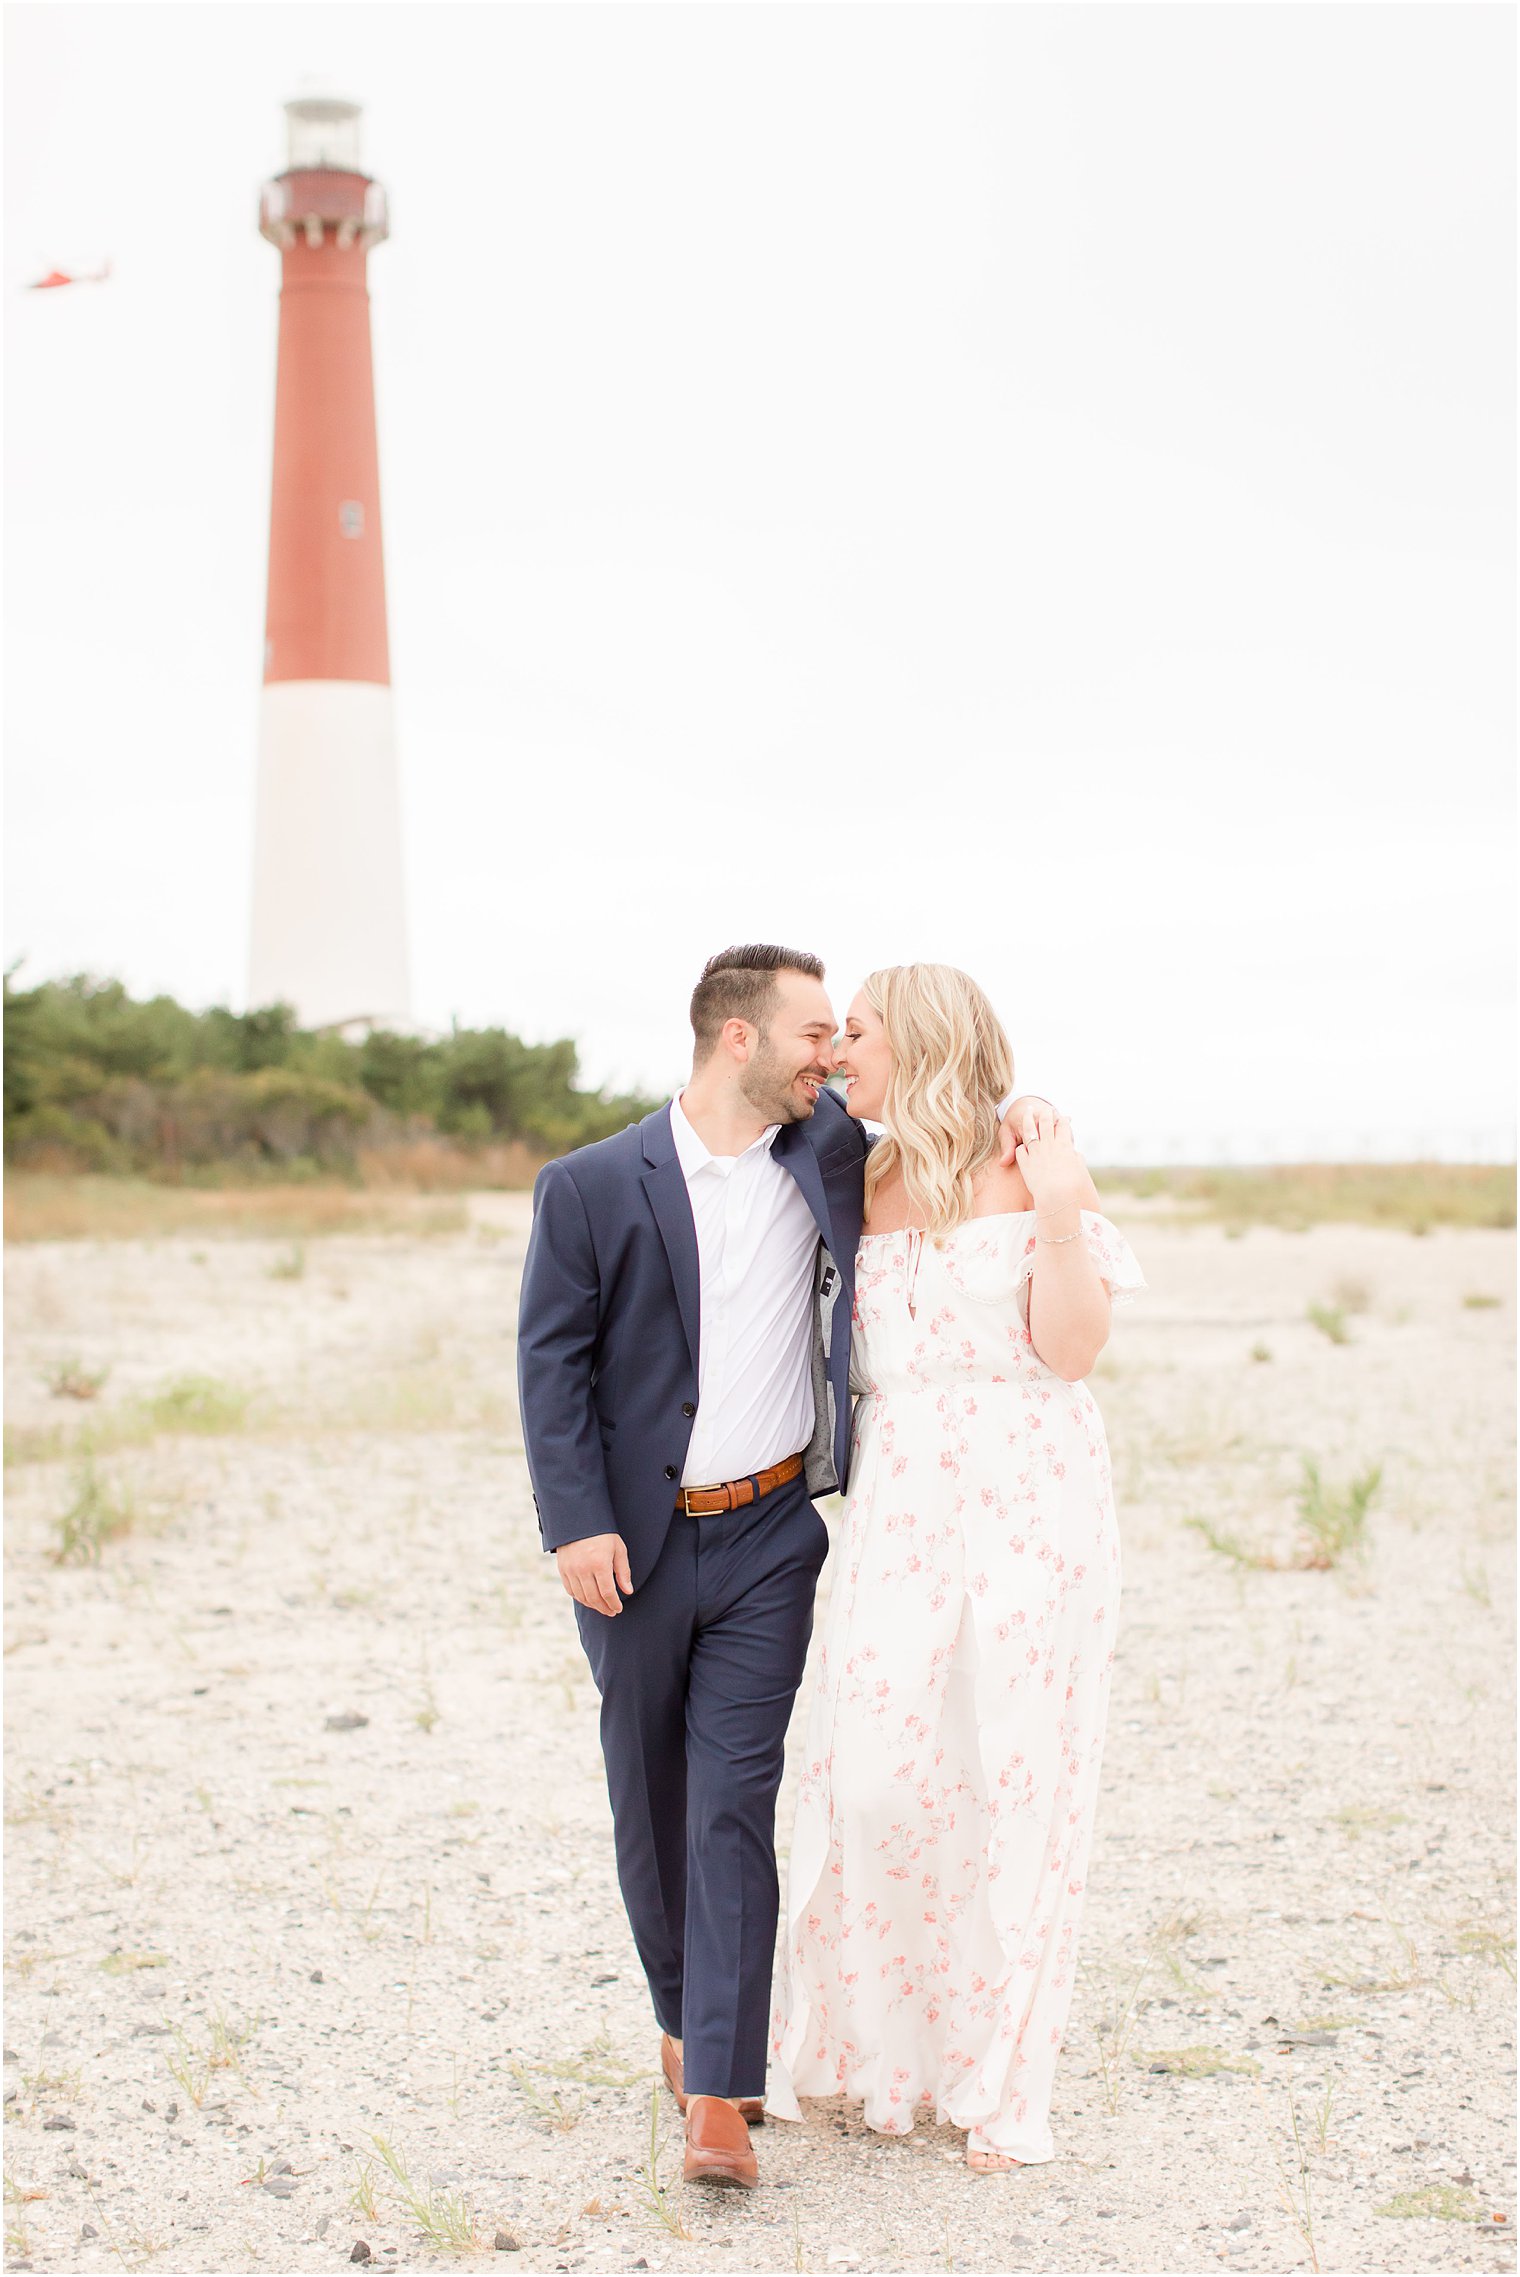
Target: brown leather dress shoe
717,2145
751,2110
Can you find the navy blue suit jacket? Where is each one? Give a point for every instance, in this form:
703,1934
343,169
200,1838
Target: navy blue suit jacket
610,1316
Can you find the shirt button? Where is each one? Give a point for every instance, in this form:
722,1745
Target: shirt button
687,1408
670,1470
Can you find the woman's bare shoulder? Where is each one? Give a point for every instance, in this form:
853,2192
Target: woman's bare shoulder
889,1211
999,1189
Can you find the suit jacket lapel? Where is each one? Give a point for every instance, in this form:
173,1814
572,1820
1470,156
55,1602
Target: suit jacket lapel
792,1149
665,1184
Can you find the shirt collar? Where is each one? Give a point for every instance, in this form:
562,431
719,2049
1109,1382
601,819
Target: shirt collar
694,1155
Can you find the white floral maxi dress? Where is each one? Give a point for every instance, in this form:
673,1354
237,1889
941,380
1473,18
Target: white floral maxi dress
951,1766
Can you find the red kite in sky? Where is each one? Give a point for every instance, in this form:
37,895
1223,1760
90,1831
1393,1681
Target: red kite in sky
56,277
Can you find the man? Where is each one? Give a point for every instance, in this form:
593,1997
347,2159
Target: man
683,1362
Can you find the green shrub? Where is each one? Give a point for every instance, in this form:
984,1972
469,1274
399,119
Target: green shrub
97,1081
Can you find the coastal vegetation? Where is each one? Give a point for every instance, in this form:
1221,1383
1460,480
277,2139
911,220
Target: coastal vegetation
98,1081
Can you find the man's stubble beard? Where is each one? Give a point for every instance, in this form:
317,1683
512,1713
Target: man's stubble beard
768,1089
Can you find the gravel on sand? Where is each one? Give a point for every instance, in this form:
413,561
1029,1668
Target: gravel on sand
313,1943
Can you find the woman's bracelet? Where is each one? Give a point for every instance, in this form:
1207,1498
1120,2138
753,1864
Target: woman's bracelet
1056,1240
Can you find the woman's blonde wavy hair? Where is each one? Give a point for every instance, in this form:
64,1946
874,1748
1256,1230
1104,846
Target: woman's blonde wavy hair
951,1063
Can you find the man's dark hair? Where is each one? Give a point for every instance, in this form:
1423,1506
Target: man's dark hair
740,984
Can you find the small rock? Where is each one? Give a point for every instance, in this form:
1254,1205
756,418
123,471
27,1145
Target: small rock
280,2185
10,2094
348,1721
361,2251
150,2031
147,2106
316,1977
75,2171
282,2166
445,2178
505,2242
88,2229
58,2125
171,2112
604,1980
11,2056
52,2039
1241,2222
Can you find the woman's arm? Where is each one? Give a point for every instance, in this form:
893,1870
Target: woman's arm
1069,1304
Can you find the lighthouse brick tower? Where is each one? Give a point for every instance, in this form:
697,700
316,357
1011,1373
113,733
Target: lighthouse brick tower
329,933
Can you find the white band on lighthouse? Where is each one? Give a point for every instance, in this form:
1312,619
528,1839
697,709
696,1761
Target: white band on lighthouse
328,933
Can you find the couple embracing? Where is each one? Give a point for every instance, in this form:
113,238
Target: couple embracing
742,1304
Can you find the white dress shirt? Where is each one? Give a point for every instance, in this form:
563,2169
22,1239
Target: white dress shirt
757,1242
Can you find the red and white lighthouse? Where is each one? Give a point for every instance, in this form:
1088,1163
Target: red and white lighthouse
329,932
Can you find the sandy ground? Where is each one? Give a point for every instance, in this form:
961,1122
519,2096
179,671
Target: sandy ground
243,1944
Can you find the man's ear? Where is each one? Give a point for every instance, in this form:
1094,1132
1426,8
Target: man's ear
736,1039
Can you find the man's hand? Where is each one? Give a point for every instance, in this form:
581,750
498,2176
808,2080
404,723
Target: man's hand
594,1570
1021,1124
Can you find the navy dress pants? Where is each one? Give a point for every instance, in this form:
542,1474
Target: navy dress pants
697,1676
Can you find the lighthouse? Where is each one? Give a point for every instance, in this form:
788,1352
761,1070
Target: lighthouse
329,931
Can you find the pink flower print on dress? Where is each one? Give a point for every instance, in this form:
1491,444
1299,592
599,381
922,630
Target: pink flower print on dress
979,1832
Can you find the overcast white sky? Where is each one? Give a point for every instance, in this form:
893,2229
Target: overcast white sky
1028,486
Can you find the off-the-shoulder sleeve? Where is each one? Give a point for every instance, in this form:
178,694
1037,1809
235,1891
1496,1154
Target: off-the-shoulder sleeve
1107,1248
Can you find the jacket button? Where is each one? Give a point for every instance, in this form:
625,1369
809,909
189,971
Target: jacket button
687,1407
670,1470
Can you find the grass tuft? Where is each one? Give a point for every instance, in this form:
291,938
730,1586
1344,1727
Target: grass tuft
71,1379
662,2202
1357,1819
99,1512
1334,1519
1332,1525
443,2216
1485,1944
1436,2202
597,2065
1330,1320
547,2105
202,1406
1194,2063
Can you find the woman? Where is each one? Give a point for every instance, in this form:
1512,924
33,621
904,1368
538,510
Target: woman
951,1764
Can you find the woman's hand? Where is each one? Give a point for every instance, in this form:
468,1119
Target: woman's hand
1068,1298
1052,1169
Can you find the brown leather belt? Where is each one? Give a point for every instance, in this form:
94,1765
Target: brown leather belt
709,1501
